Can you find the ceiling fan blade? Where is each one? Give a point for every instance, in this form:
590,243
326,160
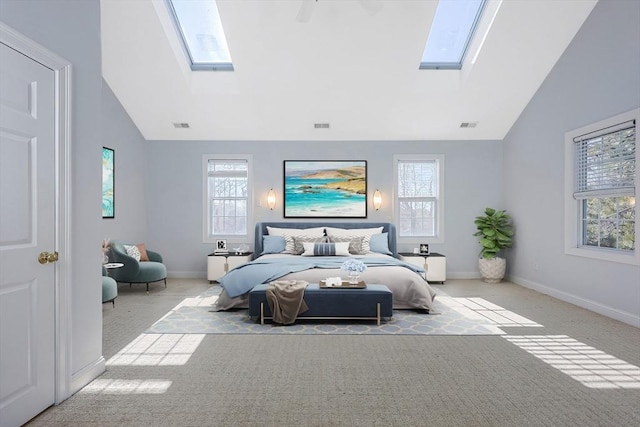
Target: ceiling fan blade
306,10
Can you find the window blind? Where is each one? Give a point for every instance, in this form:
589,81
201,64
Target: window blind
417,178
606,162
227,167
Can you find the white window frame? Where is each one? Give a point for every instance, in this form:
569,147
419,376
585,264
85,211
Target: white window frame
231,238
440,30
214,31
439,225
572,211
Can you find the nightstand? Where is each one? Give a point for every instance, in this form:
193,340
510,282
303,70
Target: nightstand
435,264
218,264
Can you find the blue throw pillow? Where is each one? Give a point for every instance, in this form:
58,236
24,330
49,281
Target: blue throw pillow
273,245
380,243
326,249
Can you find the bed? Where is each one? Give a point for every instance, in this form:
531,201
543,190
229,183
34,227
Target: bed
296,251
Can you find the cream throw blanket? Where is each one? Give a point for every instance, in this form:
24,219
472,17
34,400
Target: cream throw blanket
285,299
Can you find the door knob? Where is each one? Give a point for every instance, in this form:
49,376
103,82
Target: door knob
47,257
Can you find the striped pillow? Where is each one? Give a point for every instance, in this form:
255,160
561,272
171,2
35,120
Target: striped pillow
351,234
294,244
358,245
290,233
325,249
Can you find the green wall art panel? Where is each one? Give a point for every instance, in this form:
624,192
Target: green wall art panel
108,205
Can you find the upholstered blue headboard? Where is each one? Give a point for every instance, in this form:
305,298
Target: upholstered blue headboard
261,231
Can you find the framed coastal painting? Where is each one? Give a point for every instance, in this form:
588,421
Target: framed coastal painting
108,201
325,189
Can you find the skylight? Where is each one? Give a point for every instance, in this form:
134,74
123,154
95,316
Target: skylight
451,32
201,32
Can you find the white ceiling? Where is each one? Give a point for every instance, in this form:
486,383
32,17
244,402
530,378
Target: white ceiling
348,67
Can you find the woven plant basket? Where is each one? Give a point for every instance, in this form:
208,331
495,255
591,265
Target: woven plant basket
492,270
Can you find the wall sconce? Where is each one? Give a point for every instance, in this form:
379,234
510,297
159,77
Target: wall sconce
271,199
377,199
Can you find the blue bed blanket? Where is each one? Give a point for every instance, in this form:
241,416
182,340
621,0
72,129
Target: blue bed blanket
243,278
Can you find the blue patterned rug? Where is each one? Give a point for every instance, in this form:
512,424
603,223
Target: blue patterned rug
194,316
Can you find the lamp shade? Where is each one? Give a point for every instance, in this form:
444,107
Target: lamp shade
271,199
377,199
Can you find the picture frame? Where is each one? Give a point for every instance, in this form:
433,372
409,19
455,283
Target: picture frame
325,188
424,249
108,182
221,246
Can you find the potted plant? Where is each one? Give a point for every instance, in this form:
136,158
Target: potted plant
495,232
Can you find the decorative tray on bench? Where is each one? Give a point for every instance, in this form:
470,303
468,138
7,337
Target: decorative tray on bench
345,285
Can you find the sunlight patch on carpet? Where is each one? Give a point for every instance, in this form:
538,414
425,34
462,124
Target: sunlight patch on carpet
592,367
157,350
117,386
483,310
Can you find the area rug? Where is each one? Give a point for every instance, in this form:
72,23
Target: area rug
194,316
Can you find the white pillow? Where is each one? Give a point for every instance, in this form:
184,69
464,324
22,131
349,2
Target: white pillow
133,251
295,231
358,245
340,232
325,249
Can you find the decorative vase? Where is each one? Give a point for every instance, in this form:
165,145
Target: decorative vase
354,277
105,258
492,270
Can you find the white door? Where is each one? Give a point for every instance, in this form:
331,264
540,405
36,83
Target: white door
27,200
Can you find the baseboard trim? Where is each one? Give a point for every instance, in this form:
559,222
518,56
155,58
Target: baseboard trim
177,274
464,275
622,316
87,374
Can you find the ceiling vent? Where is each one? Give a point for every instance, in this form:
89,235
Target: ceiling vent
468,124
321,125
181,125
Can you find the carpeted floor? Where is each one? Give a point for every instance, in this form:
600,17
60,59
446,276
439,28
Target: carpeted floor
556,365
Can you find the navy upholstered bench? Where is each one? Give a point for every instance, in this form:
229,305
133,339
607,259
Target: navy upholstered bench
373,303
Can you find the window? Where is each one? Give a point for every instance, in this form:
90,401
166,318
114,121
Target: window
601,186
451,32
200,30
419,203
227,196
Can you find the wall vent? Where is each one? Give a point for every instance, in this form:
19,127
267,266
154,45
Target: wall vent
181,125
321,125
468,124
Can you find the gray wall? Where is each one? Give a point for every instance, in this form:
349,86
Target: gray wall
597,77
71,29
473,180
119,132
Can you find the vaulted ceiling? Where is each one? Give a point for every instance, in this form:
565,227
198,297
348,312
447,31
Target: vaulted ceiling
351,66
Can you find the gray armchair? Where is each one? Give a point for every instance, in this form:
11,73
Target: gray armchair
135,271
109,288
